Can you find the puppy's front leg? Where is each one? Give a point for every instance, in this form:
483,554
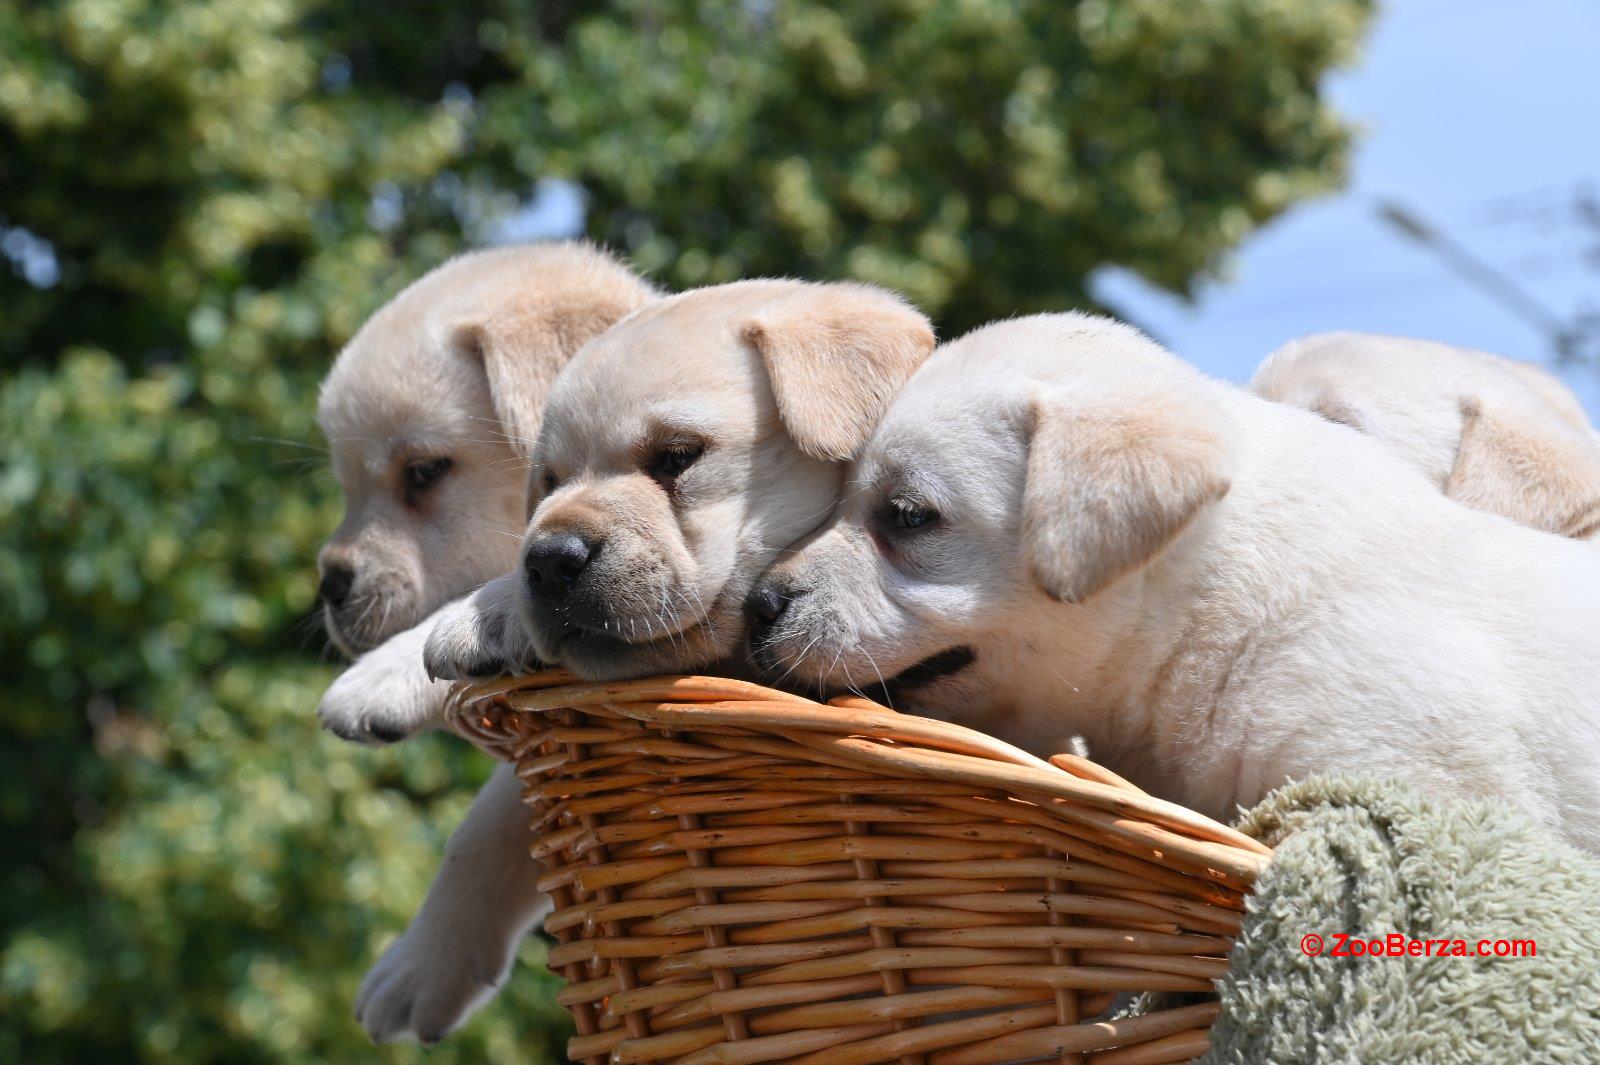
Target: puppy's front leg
481,635
386,695
459,948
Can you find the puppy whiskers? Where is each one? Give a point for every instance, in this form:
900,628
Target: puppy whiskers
794,663
888,697
365,613
499,431
287,443
827,674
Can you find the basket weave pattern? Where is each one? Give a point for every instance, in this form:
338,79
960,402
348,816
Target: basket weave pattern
743,875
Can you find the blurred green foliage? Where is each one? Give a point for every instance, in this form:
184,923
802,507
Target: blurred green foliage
199,202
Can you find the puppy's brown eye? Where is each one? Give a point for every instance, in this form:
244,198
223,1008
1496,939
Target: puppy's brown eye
906,514
549,482
425,473
670,462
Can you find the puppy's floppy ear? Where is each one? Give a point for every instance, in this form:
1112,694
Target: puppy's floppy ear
836,355
1108,487
523,349
1338,411
1535,469
1552,391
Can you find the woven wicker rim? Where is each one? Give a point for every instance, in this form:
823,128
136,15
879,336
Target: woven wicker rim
636,788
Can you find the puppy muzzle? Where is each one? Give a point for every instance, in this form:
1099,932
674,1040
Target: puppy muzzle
763,609
555,562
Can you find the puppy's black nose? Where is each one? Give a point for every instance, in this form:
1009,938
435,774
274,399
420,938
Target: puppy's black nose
554,562
337,580
762,610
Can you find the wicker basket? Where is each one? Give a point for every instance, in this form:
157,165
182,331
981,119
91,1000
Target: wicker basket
743,875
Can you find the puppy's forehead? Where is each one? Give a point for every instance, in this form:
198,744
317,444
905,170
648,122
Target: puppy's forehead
947,411
943,452
909,443
964,412
395,390
680,361
1071,349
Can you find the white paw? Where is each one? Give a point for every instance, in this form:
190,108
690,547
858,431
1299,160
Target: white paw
481,635
423,990
385,696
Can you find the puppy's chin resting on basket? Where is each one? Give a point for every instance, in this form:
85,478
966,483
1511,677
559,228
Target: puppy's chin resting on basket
491,632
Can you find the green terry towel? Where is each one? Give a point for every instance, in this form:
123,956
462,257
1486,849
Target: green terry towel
1368,858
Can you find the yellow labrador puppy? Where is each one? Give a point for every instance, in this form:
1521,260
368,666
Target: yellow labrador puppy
1491,433
430,412
1059,528
681,451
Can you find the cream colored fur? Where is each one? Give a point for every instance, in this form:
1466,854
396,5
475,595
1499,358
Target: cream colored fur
1493,434
457,366
777,382
1260,594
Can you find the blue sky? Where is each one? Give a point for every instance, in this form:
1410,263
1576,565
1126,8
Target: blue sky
1483,116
